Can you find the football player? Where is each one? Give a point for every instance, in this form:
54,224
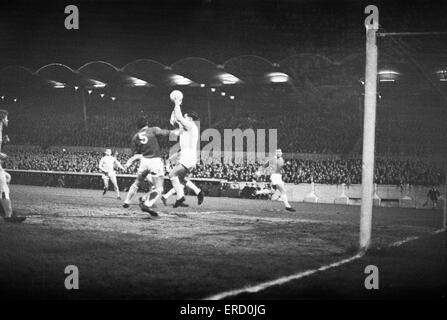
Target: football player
3,124
6,208
107,167
146,148
189,133
277,164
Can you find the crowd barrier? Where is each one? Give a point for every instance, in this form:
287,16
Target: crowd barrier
385,195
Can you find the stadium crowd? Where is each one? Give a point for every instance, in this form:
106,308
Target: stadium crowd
329,171
325,171
303,127
306,133
304,130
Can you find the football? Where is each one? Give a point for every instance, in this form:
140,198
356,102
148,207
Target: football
176,95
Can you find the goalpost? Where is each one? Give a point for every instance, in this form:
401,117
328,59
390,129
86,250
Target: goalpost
369,128
369,125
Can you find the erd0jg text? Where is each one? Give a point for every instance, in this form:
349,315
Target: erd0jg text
227,309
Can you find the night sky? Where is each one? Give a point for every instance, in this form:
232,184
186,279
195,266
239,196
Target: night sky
32,33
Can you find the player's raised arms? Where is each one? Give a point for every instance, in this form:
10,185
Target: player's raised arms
180,118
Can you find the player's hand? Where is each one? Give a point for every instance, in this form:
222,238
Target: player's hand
6,139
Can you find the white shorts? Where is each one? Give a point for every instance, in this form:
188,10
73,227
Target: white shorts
276,178
111,176
188,160
153,165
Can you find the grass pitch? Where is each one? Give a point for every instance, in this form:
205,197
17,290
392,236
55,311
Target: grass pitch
195,252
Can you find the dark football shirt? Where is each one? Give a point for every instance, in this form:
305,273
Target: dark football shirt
145,142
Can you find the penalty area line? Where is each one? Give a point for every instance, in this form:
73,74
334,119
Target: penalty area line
300,275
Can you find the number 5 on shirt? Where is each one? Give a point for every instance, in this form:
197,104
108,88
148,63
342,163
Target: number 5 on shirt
143,137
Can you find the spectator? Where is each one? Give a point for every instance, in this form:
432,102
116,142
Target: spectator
433,194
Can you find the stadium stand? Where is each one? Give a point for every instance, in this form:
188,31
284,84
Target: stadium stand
324,171
301,129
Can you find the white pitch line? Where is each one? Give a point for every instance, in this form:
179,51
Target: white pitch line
300,275
196,213
401,242
279,281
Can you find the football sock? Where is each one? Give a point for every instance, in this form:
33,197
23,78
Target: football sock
169,193
178,187
193,187
284,199
117,190
132,191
